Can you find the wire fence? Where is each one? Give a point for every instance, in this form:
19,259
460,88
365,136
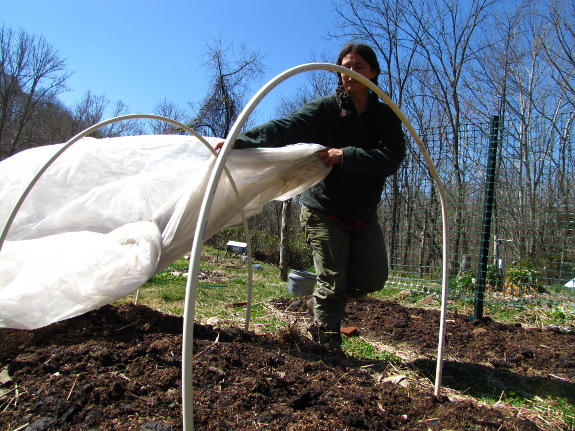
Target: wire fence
512,229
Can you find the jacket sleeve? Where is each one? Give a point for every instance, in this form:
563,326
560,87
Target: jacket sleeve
300,127
385,156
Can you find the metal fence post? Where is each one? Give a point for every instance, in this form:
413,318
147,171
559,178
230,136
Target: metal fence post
487,218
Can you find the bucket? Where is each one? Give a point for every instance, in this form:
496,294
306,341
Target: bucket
301,283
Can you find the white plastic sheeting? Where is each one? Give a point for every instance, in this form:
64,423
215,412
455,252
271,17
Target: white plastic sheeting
110,213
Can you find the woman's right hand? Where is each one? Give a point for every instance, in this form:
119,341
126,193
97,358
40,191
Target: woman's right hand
219,145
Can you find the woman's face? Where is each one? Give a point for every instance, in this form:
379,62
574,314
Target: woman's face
356,63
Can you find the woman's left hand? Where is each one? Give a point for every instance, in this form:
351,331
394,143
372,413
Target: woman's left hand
331,156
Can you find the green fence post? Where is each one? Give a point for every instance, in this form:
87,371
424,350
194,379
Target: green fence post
487,219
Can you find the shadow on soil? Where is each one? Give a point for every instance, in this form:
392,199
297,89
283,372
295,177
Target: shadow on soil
492,382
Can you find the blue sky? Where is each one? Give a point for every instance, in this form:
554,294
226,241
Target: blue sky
143,51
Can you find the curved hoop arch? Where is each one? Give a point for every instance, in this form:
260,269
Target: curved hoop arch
101,124
191,288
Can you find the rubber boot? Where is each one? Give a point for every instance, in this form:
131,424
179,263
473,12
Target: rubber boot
329,338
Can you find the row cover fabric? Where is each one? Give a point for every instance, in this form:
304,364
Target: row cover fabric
110,213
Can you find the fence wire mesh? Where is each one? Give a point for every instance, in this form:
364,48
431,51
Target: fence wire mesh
531,243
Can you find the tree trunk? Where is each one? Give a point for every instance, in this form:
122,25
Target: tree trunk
284,243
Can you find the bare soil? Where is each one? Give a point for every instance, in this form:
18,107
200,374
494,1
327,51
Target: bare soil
119,368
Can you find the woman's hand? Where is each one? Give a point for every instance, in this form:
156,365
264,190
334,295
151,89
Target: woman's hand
331,156
219,145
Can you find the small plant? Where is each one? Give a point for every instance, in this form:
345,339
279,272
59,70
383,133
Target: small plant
557,316
465,281
494,279
521,279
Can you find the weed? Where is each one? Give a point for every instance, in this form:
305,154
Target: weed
567,409
360,347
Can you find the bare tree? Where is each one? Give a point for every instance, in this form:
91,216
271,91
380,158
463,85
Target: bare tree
383,25
169,110
559,46
92,110
122,128
284,244
559,51
513,80
445,35
89,111
51,124
317,83
31,76
231,76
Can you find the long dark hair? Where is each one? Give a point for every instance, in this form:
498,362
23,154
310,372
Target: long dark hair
366,53
345,102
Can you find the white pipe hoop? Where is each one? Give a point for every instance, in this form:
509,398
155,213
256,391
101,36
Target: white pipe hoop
191,287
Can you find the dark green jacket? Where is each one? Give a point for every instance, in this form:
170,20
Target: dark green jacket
373,147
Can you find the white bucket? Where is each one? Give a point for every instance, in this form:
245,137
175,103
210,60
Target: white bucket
301,283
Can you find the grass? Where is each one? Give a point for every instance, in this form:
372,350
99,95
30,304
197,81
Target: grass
562,410
360,347
223,280
567,409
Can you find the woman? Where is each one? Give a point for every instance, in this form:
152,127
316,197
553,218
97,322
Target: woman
365,144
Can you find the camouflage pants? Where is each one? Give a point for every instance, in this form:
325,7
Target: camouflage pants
349,264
